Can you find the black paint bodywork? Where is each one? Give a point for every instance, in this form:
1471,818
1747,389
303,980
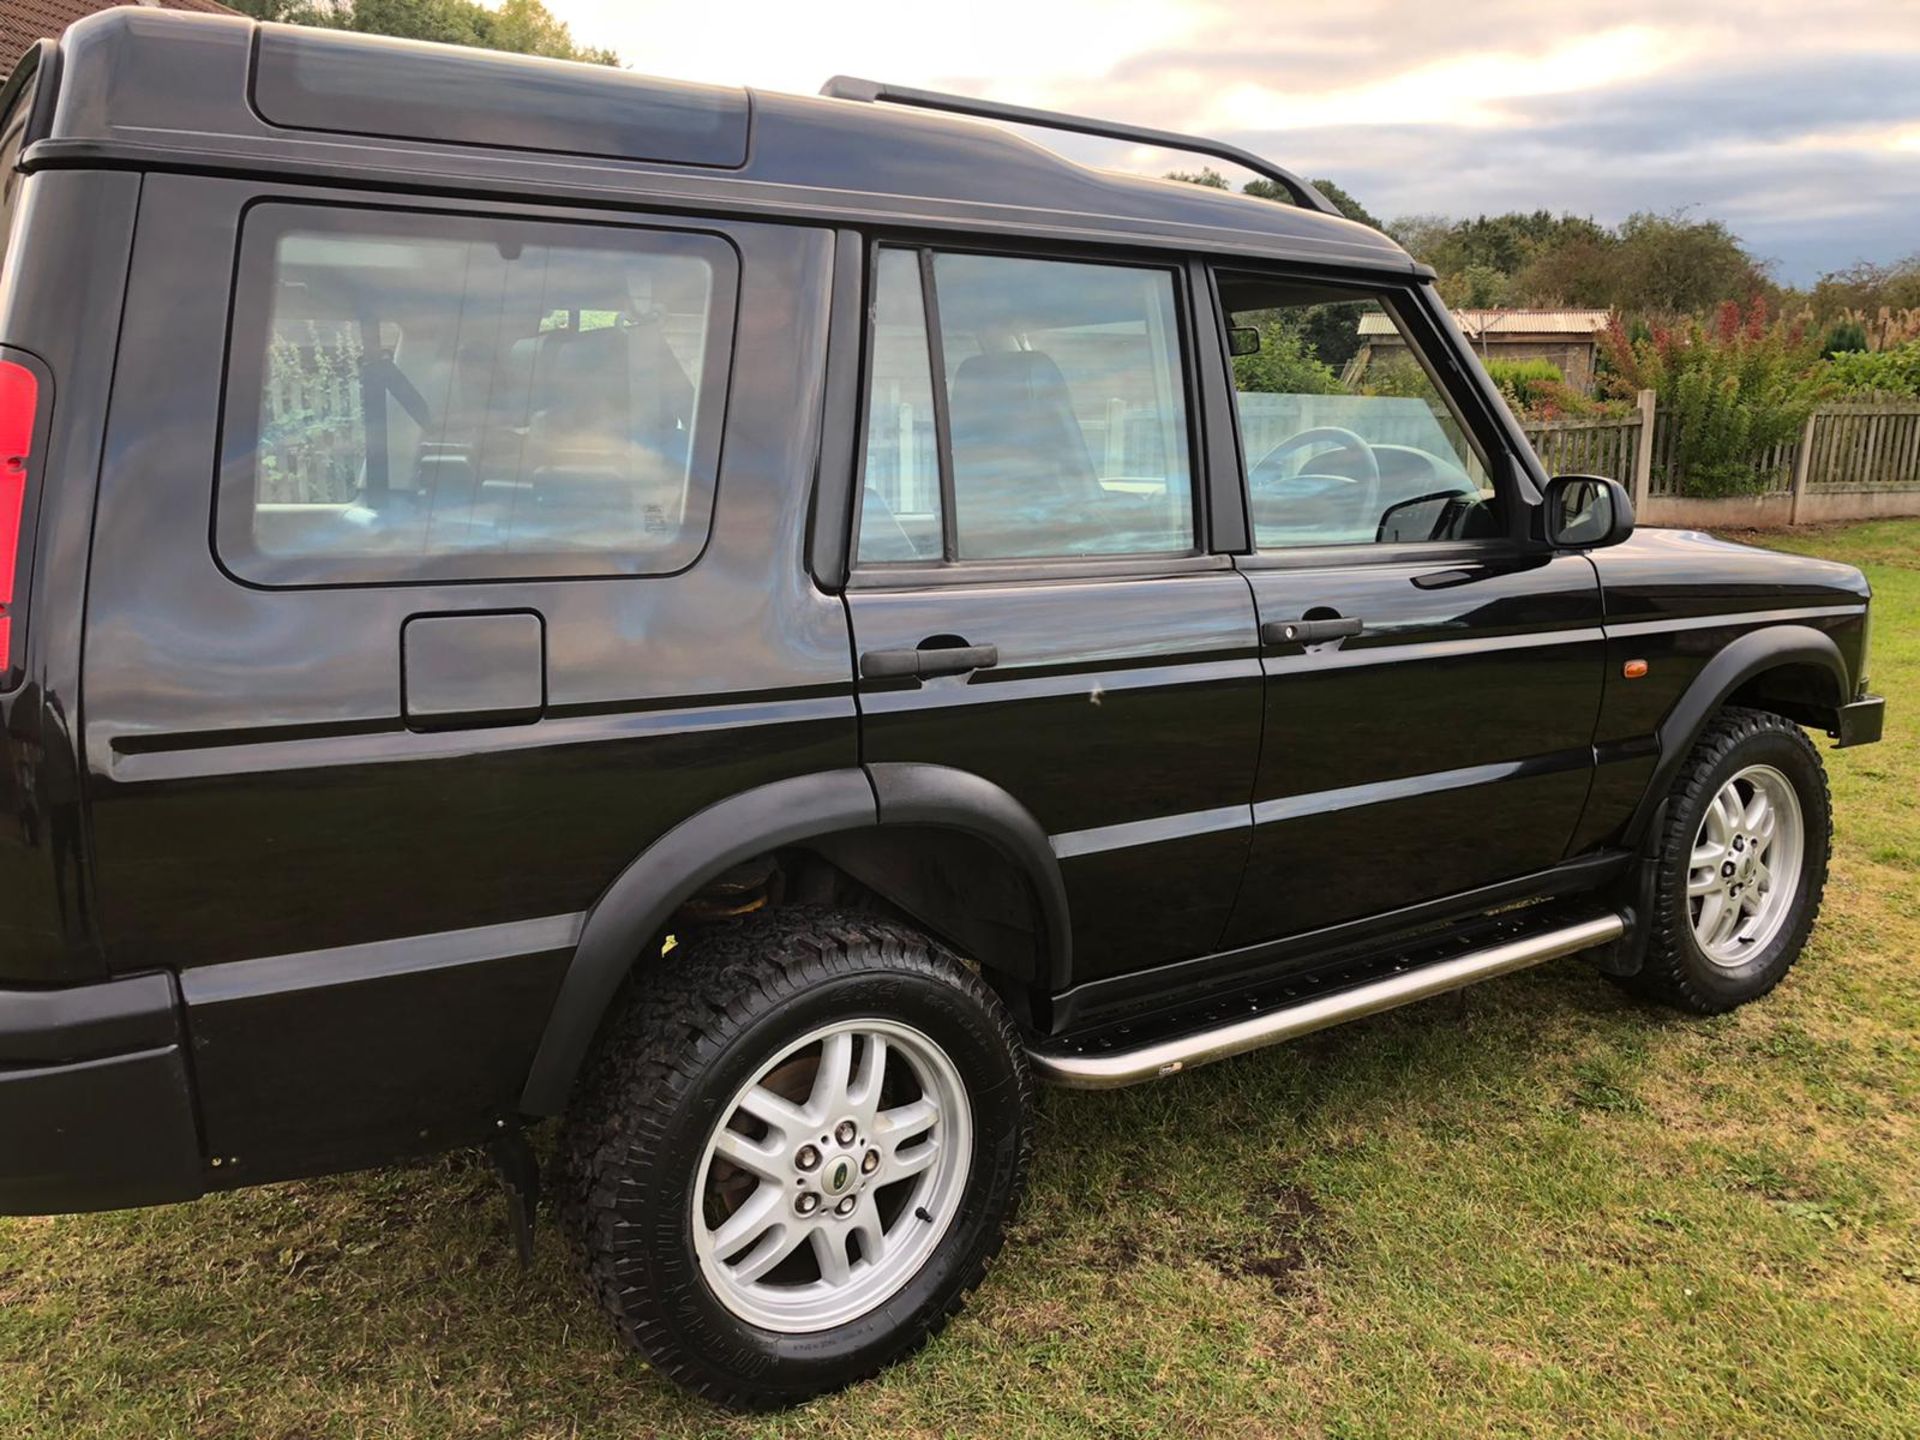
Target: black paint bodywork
295,878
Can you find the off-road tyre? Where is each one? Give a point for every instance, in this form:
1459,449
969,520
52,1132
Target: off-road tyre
687,1033
1678,971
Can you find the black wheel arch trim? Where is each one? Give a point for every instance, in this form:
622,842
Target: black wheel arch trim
658,882
942,796
644,896
1751,655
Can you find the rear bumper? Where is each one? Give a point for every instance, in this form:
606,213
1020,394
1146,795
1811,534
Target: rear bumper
96,1112
1860,722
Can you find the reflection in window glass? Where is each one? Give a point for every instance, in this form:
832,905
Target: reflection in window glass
1347,438
1066,406
1065,403
900,499
434,390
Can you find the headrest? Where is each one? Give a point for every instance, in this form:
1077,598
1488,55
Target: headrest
1002,380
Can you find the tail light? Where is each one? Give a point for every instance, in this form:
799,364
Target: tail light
19,404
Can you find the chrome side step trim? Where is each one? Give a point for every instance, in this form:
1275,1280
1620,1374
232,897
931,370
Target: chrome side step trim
1115,1068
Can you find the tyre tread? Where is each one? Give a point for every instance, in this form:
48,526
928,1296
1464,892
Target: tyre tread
668,1026
1665,976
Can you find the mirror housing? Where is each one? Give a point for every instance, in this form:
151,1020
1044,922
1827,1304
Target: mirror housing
1242,340
1585,512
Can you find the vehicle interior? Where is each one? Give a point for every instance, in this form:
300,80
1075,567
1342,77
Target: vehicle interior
436,394
1346,443
1066,413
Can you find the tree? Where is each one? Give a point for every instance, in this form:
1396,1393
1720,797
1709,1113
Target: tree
524,27
1207,176
1302,348
1867,288
1670,265
1342,199
1273,190
1420,235
1478,287
1664,265
1580,269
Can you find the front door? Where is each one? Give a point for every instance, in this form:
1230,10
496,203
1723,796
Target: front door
1033,600
1432,677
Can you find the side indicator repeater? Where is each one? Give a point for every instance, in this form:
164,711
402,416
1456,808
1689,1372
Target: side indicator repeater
1634,669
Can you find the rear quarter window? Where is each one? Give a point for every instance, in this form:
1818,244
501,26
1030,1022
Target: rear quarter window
416,396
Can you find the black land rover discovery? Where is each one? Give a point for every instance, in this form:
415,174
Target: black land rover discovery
761,627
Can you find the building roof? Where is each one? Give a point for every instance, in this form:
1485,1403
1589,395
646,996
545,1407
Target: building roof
1506,323
24,21
223,95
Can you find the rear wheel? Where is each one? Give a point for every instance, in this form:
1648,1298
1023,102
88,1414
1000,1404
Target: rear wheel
1743,864
797,1152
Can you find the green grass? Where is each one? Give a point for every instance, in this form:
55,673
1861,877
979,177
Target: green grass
1535,1209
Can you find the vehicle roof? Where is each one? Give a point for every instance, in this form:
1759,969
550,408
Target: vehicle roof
164,90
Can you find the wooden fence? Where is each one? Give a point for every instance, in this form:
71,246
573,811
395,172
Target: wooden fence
1852,457
1864,445
1587,447
1772,467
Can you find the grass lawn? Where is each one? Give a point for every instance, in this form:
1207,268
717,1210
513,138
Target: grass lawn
1535,1209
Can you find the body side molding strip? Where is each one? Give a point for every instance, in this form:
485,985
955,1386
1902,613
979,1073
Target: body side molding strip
1072,843
1616,629
1150,1062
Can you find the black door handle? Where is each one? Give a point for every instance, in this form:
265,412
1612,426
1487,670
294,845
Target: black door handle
921,664
1308,632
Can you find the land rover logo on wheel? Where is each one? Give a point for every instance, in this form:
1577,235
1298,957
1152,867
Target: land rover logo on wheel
838,1177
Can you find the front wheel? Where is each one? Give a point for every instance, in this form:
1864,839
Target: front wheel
797,1152
1743,864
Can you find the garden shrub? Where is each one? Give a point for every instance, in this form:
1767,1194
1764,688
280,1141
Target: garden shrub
1732,388
1537,390
1285,364
1878,372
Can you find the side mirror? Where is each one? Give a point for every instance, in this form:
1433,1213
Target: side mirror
1242,340
1584,512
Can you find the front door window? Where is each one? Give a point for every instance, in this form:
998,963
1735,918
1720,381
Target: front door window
1348,440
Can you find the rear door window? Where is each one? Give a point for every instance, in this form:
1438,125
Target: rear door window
1058,424
428,397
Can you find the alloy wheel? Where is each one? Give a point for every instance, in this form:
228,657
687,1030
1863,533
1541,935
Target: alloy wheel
1744,870
832,1176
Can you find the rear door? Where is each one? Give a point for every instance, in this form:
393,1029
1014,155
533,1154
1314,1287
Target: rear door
1034,597
1432,677
416,620
64,240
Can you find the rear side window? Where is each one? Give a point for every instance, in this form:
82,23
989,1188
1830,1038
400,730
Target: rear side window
1023,408
442,397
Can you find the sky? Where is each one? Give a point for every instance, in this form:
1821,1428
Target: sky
1796,122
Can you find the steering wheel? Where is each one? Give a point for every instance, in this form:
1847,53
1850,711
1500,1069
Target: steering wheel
1346,442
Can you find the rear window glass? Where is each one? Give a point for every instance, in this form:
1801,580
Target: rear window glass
419,397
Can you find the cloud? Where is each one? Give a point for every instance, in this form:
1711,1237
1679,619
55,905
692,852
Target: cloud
1798,124
1805,160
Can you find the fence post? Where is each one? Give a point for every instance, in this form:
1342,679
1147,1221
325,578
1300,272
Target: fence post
1802,463
1643,453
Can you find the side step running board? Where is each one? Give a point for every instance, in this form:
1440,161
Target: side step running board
1114,1068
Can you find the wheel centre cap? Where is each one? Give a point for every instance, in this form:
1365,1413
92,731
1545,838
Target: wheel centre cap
839,1175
